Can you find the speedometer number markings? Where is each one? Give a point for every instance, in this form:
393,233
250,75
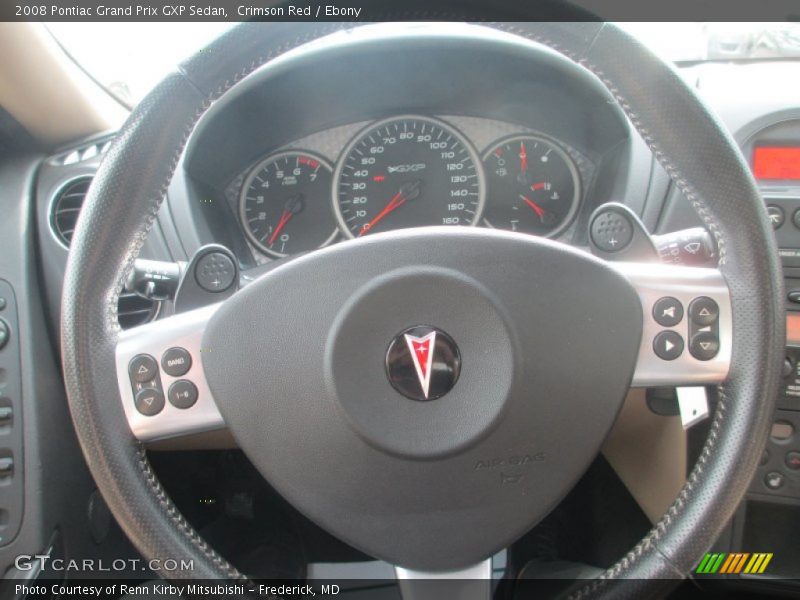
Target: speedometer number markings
407,172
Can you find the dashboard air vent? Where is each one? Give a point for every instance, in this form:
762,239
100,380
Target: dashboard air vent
67,206
82,153
134,310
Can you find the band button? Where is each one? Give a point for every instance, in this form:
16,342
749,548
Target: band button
176,362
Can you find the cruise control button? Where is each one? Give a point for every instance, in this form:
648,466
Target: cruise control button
776,216
668,345
704,345
215,272
668,311
703,311
611,231
176,362
793,460
149,401
774,480
143,368
182,394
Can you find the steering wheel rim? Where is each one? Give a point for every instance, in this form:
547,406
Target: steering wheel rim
120,209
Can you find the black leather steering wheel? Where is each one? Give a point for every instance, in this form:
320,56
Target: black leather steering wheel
405,487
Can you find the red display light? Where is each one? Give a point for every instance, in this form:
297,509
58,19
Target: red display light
776,162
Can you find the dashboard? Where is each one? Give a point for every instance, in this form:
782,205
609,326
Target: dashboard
407,171
387,128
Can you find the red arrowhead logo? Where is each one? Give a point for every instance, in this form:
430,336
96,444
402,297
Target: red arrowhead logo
421,349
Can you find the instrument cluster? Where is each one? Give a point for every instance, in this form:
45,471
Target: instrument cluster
408,171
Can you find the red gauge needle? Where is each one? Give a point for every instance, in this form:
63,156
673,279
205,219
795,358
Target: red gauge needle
292,207
538,186
536,208
285,217
523,157
409,191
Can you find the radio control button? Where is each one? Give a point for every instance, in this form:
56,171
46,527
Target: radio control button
149,401
668,345
142,368
703,311
704,346
668,311
182,394
176,362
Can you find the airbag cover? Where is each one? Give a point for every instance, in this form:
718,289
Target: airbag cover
548,338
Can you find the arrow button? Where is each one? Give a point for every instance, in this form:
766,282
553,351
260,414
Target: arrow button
704,345
668,345
149,401
143,368
703,311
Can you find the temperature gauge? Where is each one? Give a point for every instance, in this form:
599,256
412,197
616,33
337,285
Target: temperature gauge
533,186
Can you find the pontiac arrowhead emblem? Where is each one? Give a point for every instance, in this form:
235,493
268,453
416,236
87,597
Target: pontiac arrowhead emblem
421,349
423,363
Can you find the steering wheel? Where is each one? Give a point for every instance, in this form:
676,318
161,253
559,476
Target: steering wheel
548,340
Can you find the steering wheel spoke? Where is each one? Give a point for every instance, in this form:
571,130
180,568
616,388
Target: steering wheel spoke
161,380
470,583
687,324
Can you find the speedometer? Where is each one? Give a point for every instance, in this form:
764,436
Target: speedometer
407,172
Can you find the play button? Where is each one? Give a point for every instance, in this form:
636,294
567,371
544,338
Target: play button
668,345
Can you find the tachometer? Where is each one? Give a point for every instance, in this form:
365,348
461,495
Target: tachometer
533,186
407,172
284,207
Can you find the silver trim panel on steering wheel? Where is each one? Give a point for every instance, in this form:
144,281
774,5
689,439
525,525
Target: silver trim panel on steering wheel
653,282
184,331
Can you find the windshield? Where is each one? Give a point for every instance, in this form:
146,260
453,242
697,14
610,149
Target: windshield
128,59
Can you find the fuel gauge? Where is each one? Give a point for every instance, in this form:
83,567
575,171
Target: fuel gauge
533,186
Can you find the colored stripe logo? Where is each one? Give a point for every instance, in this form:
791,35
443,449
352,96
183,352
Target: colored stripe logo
734,563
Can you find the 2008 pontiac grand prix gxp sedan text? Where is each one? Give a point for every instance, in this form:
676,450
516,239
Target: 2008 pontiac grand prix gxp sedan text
418,310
